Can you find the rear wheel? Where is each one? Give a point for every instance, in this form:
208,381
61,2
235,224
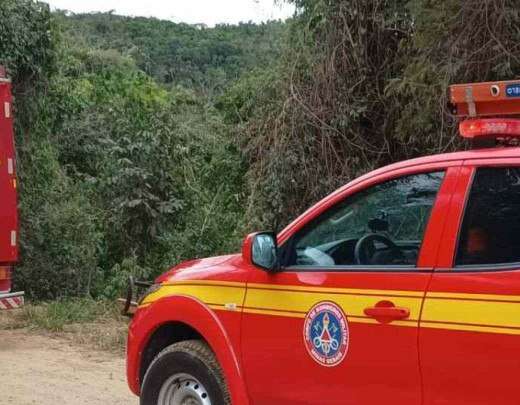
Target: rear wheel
185,373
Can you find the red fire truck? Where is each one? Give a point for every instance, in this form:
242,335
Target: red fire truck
8,199
402,287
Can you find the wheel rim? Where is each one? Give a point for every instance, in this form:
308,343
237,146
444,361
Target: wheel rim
183,389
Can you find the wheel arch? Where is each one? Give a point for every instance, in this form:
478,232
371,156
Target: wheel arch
173,319
163,336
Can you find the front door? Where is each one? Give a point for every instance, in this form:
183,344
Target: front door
339,323
470,327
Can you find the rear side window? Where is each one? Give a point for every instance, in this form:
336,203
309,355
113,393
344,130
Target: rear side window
490,231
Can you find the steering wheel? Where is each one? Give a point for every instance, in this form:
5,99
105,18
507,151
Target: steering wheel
367,241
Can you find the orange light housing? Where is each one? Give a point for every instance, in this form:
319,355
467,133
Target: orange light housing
490,128
5,279
489,99
5,273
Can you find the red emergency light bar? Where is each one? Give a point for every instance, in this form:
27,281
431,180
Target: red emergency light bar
491,99
490,128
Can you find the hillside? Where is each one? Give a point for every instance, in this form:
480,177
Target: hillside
122,156
142,143
204,58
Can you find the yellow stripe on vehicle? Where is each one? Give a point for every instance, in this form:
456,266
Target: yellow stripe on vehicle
261,311
351,319
329,290
302,301
496,313
484,313
208,282
474,297
214,294
470,328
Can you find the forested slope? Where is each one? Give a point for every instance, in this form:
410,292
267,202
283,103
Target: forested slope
363,83
125,165
195,56
143,142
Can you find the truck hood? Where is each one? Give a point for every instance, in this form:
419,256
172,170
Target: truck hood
211,268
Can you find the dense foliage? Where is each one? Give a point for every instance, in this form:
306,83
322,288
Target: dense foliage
143,142
206,59
118,173
363,83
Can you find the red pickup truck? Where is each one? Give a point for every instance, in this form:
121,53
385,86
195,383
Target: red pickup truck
402,287
8,198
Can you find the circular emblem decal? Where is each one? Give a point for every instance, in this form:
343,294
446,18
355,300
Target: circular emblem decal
326,334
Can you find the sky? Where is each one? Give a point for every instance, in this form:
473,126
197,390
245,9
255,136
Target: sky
209,12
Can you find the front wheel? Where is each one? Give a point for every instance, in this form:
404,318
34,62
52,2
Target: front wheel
185,373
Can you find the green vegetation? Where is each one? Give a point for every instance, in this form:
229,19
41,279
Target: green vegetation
142,142
363,83
119,174
57,315
194,56
94,323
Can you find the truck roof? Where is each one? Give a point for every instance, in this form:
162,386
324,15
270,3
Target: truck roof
484,153
488,153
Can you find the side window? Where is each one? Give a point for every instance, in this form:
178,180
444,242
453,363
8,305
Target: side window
383,225
490,232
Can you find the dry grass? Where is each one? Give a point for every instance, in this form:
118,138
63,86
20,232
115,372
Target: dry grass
95,324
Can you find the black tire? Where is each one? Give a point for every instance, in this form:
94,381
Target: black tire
193,357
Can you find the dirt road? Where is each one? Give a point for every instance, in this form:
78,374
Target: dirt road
42,370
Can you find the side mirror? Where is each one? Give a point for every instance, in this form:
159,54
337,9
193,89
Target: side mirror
261,250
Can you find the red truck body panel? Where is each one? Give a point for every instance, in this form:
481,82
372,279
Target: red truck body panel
441,328
440,354
8,190
225,275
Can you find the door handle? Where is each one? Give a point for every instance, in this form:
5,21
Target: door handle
386,312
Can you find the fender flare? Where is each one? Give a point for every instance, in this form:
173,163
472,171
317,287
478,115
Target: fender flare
197,315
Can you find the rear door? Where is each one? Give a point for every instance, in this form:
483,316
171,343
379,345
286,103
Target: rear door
470,327
8,203
330,329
